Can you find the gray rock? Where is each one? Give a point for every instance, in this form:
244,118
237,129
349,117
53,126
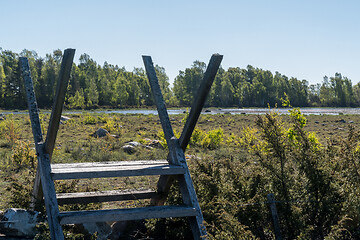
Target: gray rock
134,144
64,118
102,229
351,121
101,133
155,144
19,223
129,149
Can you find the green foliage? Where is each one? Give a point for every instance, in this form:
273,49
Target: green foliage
23,156
299,168
20,188
77,101
89,119
10,129
111,125
92,85
196,137
212,139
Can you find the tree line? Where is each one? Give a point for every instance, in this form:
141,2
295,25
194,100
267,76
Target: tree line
92,85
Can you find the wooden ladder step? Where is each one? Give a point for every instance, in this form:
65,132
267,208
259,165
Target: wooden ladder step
127,214
113,169
103,196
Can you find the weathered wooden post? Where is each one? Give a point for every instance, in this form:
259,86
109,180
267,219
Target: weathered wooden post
275,217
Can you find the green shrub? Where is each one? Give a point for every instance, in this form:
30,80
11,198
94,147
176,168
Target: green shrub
23,156
298,166
213,139
88,119
196,137
10,129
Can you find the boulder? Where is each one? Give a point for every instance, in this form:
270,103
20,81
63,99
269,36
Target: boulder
341,121
64,118
102,229
101,133
134,144
155,144
17,222
129,149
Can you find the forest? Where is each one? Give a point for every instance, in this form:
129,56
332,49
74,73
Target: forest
110,86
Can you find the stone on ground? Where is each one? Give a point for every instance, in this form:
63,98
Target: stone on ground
17,222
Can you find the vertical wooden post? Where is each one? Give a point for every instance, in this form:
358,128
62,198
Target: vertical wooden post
275,217
61,88
199,99
160,104
43,158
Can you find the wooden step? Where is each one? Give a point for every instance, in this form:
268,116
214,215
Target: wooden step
113,169
126,214
103,196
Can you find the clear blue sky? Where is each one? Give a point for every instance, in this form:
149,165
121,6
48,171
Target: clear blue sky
300,38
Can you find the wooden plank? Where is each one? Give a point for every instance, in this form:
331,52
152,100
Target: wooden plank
189,195
52,209
163,188
126,214
104,196
37,194
108,164
200,99
116,171
275,217
32,104
160,103
63,80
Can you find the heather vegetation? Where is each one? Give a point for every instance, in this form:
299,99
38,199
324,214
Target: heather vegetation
93,85
310,163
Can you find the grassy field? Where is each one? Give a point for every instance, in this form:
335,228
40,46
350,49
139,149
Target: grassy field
75,143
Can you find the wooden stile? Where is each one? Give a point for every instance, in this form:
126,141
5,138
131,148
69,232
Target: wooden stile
174,167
